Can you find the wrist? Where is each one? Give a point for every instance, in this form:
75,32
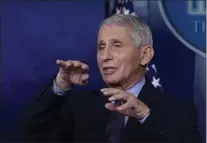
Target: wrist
143,114
62,84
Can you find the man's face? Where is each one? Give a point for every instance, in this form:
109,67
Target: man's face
118,58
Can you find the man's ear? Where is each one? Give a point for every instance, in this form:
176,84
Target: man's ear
147,54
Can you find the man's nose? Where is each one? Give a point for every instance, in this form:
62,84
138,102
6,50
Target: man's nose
107,54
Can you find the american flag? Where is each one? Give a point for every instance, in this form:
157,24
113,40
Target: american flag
126,7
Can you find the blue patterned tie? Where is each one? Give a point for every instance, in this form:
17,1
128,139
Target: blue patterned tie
115,127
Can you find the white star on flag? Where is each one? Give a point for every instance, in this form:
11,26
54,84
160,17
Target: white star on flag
147,68
156,82
154,68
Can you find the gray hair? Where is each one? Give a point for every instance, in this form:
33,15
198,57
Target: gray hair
141,34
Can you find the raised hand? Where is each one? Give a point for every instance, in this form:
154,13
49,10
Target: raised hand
71,72
130,105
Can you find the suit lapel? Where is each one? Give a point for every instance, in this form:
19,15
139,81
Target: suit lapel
102,115
148,94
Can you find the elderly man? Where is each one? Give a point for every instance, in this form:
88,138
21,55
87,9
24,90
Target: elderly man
128,109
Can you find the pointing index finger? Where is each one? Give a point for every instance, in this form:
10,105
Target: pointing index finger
60,63
110,90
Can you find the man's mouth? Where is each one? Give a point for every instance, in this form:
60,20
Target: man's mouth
109,70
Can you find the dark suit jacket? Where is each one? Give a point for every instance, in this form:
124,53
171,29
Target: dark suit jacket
82,117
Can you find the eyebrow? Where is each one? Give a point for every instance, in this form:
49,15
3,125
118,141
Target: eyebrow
101,43
116,40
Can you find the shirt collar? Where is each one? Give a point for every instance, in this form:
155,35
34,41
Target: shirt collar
135,89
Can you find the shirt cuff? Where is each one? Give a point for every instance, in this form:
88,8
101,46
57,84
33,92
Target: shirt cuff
57,90
142,120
